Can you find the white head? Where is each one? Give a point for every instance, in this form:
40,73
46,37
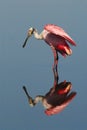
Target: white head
30,31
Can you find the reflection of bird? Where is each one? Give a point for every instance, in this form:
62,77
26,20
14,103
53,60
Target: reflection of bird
60,98
56,101
56,38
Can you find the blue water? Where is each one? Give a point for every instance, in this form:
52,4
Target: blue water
32,66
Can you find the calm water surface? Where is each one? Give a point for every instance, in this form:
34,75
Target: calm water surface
32,66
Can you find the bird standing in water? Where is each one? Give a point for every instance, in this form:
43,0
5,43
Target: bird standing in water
56,38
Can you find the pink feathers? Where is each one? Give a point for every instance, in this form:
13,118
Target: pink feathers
59,31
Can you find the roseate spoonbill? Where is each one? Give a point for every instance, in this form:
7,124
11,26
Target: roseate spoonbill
55,102
56,38
56,99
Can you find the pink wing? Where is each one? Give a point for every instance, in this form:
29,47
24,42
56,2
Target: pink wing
58,109
59,31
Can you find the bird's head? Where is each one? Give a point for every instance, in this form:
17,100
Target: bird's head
30,32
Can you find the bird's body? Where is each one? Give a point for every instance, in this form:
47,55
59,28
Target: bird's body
56,38
57,42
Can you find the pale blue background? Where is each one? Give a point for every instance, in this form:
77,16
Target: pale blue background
32,66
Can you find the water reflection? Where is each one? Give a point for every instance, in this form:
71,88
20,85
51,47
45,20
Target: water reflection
56,99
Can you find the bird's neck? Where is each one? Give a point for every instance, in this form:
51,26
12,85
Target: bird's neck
38,36
38,98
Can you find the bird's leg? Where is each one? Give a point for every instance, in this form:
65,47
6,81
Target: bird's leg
55,71
55,77
32,101
55,65
55,81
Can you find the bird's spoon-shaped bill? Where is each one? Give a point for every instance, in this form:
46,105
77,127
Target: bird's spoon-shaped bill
25,41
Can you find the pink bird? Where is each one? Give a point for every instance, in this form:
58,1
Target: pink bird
56,38
54,102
